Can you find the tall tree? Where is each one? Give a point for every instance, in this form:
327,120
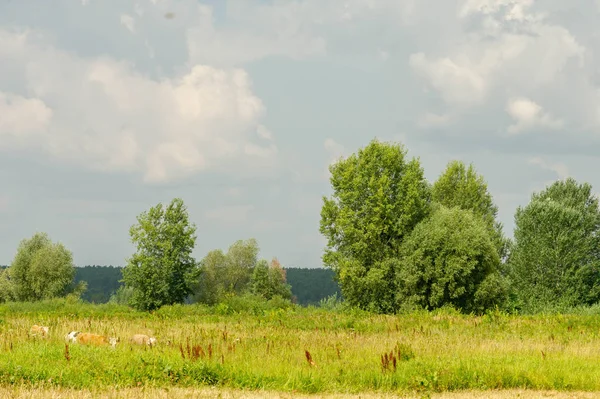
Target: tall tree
378,198
450,258
463,187
162,269
42,269
556,254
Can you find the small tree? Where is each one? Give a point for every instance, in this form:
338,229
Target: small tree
161,270
6,287
378,198
269,281
42,269
450,258
209,286
556,255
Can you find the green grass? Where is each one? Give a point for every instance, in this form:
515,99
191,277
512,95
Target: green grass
263,347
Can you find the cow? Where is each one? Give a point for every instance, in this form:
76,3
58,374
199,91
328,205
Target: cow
91,339
41,331
142,339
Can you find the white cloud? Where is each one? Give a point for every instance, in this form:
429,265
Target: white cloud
511,48
108,116
22,117
128,22
458,82
528,115
559,168
264,133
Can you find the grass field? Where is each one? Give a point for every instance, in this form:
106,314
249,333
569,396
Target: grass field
299,351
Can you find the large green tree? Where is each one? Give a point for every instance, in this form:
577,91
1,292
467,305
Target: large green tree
40,270
378,197
450,258
556,254
463,187
162,269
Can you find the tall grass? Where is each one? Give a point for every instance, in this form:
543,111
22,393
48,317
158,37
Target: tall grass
275,346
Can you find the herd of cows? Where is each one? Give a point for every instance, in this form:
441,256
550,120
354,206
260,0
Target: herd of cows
93,339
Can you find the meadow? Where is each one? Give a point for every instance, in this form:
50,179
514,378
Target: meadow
288,349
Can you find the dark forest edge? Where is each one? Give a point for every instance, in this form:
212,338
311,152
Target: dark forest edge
309,286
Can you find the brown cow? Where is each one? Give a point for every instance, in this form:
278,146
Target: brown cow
91,339
41,331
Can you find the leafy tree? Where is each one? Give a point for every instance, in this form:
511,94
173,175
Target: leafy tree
465,188
378,198
209,287
242,257
122,296
42,269
269,281
161,270
450,258
6,287
556,255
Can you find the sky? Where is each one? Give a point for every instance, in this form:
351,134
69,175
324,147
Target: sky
109,107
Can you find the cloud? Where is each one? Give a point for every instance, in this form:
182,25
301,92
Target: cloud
128,22
528,115
22,118
559,168
103,114
503,45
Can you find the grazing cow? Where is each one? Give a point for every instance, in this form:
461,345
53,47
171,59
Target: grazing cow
91,339
72,336
142,339
41,331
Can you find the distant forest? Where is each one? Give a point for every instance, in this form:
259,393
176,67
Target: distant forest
309,286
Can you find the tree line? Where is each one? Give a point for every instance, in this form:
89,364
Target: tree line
395,242
309,285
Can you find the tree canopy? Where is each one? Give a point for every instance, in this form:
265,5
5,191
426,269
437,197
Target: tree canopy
378,197
463,187
40,270
161,270
556,254
450,258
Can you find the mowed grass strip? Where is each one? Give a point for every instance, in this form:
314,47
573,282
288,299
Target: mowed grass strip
306,351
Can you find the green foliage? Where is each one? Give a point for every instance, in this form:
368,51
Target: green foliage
450,259
378,198
464,188
270,280
309,286
122,296
260,347
556,256
221,274
6,287
103,281
161,270
40,270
